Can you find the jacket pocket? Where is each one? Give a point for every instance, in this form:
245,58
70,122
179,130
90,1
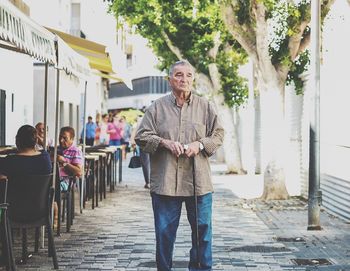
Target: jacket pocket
200,130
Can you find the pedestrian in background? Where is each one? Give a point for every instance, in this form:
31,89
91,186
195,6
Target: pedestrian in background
90,132
125,140
178,119
103,125
115,131
144,156
97,130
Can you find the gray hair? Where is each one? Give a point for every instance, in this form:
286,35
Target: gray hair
182,62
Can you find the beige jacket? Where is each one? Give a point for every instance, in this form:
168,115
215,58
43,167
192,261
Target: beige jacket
196,120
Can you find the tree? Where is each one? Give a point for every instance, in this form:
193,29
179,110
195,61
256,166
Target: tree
275,34
193,30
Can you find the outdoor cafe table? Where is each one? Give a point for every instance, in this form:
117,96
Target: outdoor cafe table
4,150
93,164
115,161
116,150
103,163
110,152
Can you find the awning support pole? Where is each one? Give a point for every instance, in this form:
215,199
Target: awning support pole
315,195
84,144
45,105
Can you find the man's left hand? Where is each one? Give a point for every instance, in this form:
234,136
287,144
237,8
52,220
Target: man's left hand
192,149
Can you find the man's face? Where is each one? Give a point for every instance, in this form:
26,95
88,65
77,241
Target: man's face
182,79
65,140
40,130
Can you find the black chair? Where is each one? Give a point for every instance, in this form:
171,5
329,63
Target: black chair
5,231
65,202
30,200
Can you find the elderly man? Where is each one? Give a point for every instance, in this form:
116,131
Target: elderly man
40,128
69,157
180,131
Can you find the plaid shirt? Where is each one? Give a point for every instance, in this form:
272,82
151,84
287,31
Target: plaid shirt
72,155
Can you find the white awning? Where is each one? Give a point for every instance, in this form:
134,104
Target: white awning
71,61
19,30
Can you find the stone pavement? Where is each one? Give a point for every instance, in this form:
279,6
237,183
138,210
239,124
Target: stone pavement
248,234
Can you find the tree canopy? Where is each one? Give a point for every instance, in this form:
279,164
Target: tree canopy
188,29
288,32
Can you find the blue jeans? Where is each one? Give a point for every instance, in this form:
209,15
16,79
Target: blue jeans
114,142
167,211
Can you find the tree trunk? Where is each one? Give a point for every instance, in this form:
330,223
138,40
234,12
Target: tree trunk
274,138
230,144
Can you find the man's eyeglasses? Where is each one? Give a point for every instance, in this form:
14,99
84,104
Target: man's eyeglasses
64,138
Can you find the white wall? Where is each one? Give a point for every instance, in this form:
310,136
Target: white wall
144,61
38,102
53,13
335,92
94,99
335,109
335,79
16,73
71,89
58,15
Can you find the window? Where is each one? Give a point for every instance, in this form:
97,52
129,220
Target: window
2,116
128,60
77,122
71,115
75,20
61,114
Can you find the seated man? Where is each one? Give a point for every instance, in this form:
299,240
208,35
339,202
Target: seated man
69,157
40,128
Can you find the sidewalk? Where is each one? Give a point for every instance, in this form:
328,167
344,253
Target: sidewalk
328,249
248,234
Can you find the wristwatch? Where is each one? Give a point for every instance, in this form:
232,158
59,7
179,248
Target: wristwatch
201,147
64,164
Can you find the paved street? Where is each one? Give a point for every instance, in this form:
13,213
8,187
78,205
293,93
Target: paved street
248,234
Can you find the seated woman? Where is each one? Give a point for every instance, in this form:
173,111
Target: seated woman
27,160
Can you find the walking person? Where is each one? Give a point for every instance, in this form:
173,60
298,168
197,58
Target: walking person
125,140
170,123
144,156
103,125
115,131
90,132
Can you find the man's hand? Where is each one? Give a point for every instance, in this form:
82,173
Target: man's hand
40,140
192,149
175,147
60,159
